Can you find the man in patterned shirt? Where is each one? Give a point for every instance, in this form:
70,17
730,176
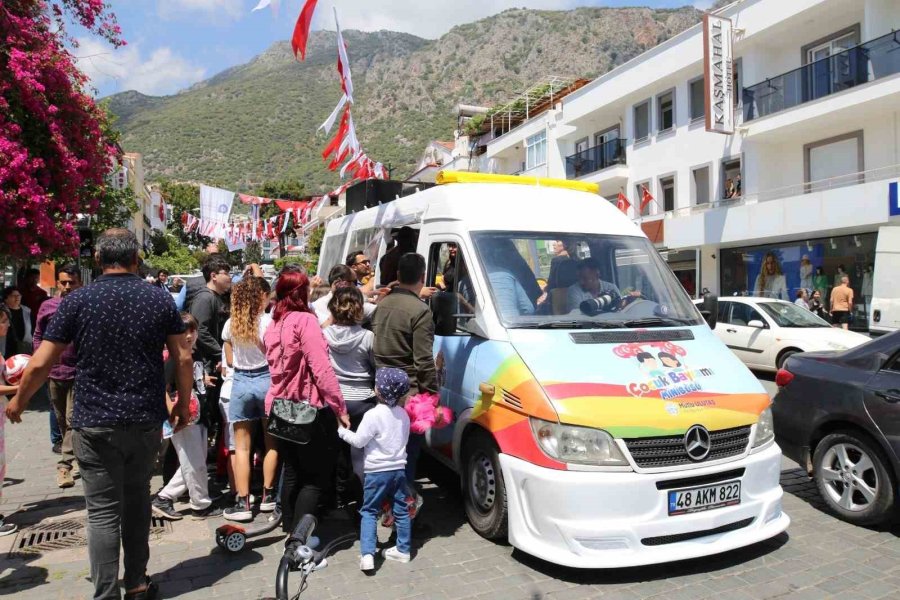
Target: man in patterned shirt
118,326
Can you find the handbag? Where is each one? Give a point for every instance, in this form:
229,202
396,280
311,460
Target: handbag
291,420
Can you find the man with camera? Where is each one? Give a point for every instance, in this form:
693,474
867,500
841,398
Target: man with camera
591,287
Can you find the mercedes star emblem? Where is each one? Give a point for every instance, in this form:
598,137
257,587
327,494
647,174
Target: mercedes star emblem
697,443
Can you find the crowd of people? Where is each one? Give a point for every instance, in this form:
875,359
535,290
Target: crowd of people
329,396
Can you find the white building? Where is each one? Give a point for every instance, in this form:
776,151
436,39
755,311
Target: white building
129,173
806,173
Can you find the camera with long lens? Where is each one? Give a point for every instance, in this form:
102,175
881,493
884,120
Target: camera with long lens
605,302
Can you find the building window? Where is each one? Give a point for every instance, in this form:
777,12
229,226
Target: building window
665,111
536,150
645,210
834,162
701,185
731,178
642,121
696,92
667,192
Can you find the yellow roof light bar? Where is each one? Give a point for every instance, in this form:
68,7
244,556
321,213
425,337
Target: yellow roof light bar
466,177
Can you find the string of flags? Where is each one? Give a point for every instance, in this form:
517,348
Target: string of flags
344,148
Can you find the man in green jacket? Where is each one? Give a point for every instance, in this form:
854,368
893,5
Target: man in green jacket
404,338
404,327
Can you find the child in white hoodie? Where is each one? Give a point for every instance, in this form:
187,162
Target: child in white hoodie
383,434
350,351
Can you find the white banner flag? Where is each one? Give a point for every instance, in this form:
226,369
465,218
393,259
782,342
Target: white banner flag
215,204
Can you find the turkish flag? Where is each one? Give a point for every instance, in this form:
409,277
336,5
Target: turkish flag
343,129
646,197
622,203
301,29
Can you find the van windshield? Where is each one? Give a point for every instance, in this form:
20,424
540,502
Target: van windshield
581,281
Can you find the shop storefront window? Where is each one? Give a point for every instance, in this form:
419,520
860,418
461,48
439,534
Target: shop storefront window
817,265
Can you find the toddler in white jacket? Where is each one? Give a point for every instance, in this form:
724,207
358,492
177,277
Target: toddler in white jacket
383,434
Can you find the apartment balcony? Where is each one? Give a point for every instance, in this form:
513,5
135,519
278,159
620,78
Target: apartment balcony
595,159
873,60
852,203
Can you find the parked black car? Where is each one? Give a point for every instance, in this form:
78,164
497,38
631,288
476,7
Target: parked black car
838,415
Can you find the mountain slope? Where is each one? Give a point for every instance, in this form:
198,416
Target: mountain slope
257,121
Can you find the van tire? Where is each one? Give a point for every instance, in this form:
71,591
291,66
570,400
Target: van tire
484,491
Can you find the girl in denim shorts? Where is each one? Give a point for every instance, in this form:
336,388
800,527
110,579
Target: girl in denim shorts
245,352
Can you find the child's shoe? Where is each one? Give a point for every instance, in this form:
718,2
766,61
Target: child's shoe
415,505
395,555
366,562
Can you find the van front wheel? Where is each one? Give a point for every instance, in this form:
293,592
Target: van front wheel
484,492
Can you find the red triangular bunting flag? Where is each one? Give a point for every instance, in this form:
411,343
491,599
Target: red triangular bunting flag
301,29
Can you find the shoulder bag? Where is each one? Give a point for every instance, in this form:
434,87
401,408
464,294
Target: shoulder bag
291,420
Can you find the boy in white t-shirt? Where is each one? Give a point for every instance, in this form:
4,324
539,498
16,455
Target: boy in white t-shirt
383,434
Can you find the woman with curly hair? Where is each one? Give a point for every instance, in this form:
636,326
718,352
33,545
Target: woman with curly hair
245,352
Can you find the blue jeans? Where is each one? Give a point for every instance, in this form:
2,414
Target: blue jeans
378,487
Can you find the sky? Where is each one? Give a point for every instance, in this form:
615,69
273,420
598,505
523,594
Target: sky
172,44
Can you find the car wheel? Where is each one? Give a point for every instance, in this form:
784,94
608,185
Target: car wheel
782,358
484,492
853,478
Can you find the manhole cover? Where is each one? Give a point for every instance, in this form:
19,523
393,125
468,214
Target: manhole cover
159,526
46,537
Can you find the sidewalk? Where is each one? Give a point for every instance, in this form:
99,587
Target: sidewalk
185,559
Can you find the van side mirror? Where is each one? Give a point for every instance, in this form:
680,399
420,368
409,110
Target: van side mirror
710,309
756,323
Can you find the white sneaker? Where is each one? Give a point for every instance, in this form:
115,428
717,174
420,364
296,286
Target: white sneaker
396,555
366,562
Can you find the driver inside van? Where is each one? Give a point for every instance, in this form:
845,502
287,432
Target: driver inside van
589,285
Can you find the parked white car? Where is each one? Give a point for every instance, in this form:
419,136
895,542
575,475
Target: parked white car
763,332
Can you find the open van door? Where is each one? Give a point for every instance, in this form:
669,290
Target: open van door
884,307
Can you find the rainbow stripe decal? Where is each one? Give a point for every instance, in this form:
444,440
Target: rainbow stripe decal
629,390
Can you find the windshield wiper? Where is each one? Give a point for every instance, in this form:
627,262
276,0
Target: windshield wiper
654,322
583,324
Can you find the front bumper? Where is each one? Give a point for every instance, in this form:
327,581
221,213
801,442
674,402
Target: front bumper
599,519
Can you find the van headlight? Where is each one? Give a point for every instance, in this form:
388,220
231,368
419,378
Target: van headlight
582,445
765,429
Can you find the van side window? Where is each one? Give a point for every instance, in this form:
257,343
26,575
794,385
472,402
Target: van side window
448,272
332,253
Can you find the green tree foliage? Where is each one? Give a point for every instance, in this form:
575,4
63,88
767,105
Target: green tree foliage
114,209
167,252
182,197
287,188
279,263
253,253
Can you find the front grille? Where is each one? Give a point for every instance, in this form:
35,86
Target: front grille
669,451
662,540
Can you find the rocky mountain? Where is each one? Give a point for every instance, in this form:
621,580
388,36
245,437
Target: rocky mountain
258,121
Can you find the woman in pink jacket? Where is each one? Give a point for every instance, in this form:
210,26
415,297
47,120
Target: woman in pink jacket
297,354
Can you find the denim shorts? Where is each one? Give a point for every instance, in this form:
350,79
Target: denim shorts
248,395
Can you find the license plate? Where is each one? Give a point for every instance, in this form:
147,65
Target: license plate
691,500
